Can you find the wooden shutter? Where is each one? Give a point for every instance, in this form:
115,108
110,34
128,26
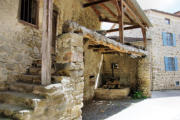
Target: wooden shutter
176,63
166,63
174,39
164,38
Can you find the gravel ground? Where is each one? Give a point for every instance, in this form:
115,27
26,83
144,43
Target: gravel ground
105,109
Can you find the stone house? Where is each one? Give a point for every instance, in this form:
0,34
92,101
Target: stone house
163,41
53,56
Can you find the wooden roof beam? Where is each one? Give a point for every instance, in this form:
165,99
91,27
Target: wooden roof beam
95,10
95,3
109,10
133,14
125,28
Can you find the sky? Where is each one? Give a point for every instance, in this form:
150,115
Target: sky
164,5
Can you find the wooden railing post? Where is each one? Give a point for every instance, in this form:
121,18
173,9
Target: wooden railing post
46,42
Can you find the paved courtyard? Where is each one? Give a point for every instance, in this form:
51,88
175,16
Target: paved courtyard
164,105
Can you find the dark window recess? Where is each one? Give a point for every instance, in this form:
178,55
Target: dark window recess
29,11
177,83
169,39
167,21
171,63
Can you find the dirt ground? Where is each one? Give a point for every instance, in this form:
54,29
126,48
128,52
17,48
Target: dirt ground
155,108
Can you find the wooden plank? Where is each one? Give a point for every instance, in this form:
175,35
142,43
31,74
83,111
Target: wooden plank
95,10
96,46
144,37
109,10
95,3
112,21
46,43
125,28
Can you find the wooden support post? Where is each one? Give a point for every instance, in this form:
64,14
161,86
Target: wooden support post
46,42
144,37
120,18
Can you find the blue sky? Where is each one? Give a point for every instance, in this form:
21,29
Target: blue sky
163,5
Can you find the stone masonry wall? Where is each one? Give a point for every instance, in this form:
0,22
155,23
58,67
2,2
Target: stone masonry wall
127,68
161,79
92,72
70,47
19,43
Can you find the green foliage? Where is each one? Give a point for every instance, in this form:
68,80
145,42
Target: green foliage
138,95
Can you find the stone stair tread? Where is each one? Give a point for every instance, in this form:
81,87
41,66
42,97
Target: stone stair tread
21,94
5,118
13,108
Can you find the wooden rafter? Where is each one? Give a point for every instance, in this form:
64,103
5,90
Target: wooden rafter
95,10
112,21
125,28
133,14
95,3
109,10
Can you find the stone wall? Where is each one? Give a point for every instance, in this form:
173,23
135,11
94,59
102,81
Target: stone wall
20,43
73,10
70,47
127,68
92,72
160,78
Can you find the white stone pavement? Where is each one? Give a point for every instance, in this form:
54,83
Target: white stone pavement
162,106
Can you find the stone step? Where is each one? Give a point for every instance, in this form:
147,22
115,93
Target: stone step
5,118
35,79
37,71
17,98
15,112
30,88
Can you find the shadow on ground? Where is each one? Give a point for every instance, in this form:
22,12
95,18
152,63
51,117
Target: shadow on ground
102,109
164,105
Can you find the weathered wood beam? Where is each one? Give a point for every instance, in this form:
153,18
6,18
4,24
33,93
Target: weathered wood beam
112,21
144,37
96,46
125,28
95,10
120,19
109,10
95,3
133,14
46,42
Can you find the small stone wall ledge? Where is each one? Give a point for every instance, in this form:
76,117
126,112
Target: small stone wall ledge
73,27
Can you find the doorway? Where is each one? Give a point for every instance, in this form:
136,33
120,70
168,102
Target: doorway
54,30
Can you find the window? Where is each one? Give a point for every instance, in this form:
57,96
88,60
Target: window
29,10
167,21
177,83
171,63
169,39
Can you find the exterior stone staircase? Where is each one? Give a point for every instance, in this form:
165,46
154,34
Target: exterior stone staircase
22,99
